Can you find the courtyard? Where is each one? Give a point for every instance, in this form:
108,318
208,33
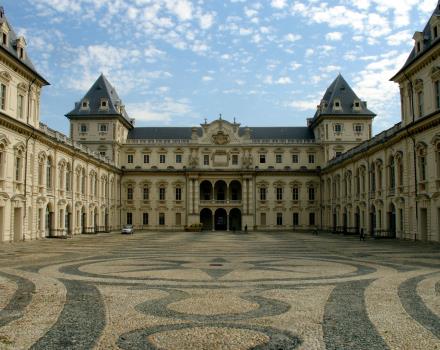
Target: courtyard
219,290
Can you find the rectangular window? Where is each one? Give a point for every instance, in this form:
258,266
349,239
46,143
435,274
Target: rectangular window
130,193
262,158
4,39
145,219
234,159
312,219
103,128
161,219
422,168
338,128
146,158
102,153
420,103
129,218
262,193
83,128
295,158
311,158
162,159
146,193
162,193
295,219
20,105
358,128
3,96
18,169
279,193
178,194
130,159
279,219
178,158
295,193
279,158
263,219
311,193
437,93
206,159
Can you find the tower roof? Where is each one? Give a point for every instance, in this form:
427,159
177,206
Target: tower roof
429,41
11,47
100,91
340,100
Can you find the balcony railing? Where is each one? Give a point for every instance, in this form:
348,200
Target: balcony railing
220,202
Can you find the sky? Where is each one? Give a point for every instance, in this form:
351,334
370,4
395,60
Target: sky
177,62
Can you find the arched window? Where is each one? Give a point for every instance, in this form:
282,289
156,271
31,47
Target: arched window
68,178
49,173
2,160
392,173
19,155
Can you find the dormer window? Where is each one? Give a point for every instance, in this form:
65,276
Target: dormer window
21,44
104,104
337,105
21,53
5,39
85,104
435,32
418,39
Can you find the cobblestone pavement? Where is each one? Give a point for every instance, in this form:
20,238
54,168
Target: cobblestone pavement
219,291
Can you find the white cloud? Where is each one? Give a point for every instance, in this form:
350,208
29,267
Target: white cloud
334,36
292,37
207,78
161,111
304,105
278,4
402,37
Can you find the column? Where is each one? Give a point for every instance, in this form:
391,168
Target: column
196,196
190,196
244,196
227,221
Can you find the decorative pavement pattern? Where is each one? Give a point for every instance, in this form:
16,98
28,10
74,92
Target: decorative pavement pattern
219,291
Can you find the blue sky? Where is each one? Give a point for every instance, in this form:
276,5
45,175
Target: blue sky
176,62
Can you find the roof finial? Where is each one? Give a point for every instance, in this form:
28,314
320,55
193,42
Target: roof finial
220,116
206,121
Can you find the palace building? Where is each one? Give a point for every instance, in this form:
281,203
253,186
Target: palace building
331,174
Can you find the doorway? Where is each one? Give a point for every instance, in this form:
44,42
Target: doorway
235,220
18,224
220,220
424,224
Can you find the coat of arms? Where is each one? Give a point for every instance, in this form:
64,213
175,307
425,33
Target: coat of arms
220,138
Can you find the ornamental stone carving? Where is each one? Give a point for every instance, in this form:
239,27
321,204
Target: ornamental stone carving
220,138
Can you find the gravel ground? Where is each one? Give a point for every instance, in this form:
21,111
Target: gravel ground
219,290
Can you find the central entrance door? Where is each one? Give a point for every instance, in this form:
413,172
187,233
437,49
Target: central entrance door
220,220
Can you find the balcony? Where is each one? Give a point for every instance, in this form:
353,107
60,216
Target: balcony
218,203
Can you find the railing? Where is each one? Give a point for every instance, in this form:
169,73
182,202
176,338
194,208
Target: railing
157,141
380,234
284,141
220,202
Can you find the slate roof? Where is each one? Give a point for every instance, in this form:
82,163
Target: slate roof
184,133
101,89
428,42
11,47
341,91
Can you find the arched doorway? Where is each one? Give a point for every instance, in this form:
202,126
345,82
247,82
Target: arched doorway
220,190
68,220
221,218
345,220
206,191
235,191
83,220
206,219
48,221
392,221
235,220
95,221
357,220
373,220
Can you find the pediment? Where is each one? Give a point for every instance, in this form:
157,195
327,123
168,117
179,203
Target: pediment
221,132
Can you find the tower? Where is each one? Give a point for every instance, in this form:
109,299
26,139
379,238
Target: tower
99,120
342,120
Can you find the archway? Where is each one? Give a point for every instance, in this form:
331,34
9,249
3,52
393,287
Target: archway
49,221
68,220
83,220
392,220
220,219
206,191
235,219
373,220
206,219
96,221
220,190
357,220
235,191
345,220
